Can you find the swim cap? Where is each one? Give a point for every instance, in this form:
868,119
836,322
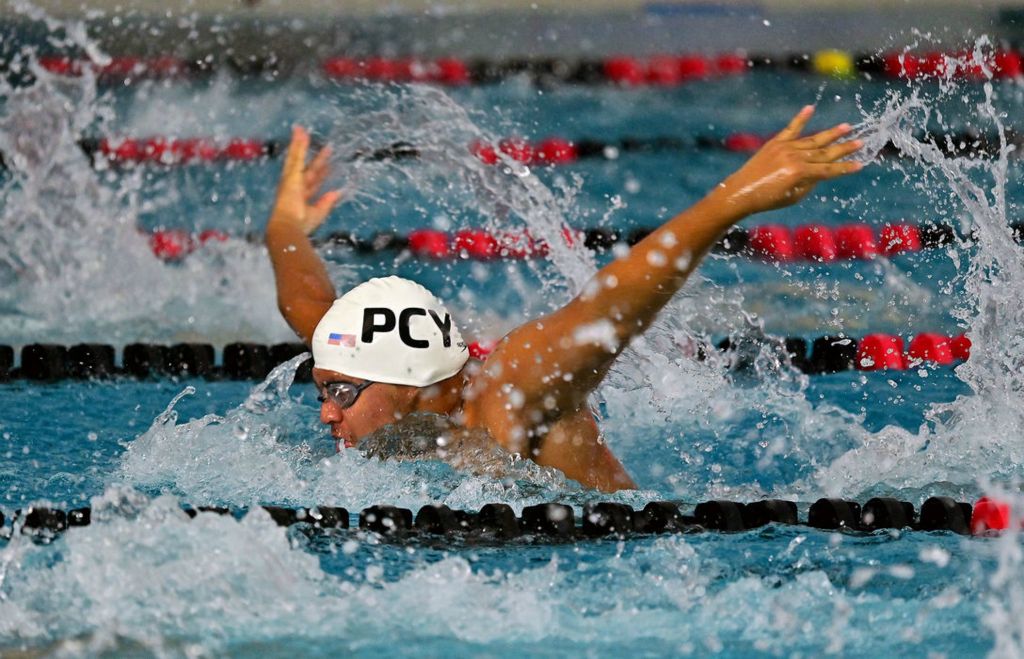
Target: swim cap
390,330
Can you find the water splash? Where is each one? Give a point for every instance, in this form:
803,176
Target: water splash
503,198
968,439
73,265
272,449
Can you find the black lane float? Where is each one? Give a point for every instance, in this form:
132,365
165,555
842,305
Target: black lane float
546,522
47,362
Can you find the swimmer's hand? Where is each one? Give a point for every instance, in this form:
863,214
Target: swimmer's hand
787,167
304,289
300,184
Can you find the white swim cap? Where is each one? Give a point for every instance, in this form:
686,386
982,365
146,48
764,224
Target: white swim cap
390,330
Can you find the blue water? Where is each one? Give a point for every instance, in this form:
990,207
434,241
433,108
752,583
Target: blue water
143,580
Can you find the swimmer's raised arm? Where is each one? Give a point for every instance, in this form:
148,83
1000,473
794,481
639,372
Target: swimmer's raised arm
552,364
304,291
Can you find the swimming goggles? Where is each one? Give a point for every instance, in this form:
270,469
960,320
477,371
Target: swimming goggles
342,394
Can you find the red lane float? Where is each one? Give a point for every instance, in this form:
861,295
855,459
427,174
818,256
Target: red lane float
446,70
876,352
732,64
176,244
819,243
815,242
520,245
476,243
960,347
855,241
664,70
897,238
968,67
1007,64
931,347
555,151
552,151
696,67
773,242
122,67
517,149
429,243
885,352
165,151
671,70
901,65
171,244
485,152
1002,64
451,71
387,70
625,71
932,65
990,515
744,142
480,349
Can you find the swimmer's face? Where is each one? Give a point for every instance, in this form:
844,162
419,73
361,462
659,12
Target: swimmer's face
376,406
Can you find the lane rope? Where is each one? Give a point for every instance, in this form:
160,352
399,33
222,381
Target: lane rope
776,243
660,70
497,522
169,151
47,362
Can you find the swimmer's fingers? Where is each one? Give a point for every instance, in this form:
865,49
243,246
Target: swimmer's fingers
318,212
317,171
796,125
825,137
295,158
836,169
834,152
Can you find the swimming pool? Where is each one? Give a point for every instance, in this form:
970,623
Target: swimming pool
142,579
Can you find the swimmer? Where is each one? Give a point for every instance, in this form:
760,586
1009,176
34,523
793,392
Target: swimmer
388,348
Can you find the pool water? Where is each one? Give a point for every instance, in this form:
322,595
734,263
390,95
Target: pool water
143,579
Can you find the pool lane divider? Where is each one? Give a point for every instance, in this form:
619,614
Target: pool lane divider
816,243
168,151
558,521
623,71
777,243
45,362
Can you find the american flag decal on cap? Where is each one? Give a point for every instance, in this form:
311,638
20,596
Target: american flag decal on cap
345,340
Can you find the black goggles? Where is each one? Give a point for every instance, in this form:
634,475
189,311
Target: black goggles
342,394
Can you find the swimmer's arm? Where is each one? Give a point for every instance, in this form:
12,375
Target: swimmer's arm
554,363
304,290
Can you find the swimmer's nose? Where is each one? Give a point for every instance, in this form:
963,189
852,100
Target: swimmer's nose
330,413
